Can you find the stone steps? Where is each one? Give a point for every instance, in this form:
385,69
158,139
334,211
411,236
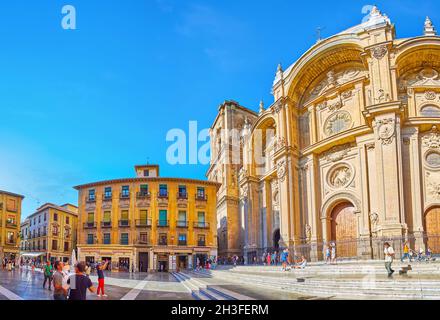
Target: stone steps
343,288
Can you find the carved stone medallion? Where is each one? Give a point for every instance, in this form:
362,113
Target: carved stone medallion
340,176
337,122
379,52
386,130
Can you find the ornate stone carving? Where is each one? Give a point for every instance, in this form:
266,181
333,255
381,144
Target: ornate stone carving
382,96
386,130
427,77
280,143
340,176
374,218
379,52
337,122
281,171
433,187
334,79
308,232
432,139
430,95
347,94
244,192
337,153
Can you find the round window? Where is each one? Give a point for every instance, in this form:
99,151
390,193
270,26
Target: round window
433,159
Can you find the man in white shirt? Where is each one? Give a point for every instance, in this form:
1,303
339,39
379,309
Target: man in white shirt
389,257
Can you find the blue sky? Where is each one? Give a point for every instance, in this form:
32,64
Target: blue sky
86,105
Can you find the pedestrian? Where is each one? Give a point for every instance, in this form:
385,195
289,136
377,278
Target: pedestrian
389,257
301,264
48,271
101,268
333,253
406,251
327,254
284,258
59,291
428,254
79,283
268,258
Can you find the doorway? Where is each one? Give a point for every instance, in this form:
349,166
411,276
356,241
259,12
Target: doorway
143,262
344,229
276,239
432,227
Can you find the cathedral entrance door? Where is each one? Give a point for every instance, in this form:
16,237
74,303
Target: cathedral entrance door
344,229
432,227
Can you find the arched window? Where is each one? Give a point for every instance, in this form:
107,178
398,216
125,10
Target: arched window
430,111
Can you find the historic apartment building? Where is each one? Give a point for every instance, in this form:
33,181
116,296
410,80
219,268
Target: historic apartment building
147,223
349,151
50,233
10,215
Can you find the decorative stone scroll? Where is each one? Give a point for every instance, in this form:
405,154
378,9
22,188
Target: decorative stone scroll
281,171
337,153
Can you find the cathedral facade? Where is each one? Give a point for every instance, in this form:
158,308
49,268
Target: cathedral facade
348,152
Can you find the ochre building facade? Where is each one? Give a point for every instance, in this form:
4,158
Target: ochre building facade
148,223
50,233
348,152
10,215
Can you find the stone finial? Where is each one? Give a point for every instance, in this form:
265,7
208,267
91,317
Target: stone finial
261,106
279,68
429,28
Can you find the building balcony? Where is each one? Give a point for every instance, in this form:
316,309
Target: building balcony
107,197
124,223
124,196
201,197
143,195
90,225
162,195
201,225
106,224
182,243
201,243
182,224
182,196
143,223
163,223
90,199
10,242
11,225
162,243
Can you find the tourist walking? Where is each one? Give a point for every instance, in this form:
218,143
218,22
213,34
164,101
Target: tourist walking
406,252
284,259
47,271
389,257
59,291
101,268
79,283
268,258
333,253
